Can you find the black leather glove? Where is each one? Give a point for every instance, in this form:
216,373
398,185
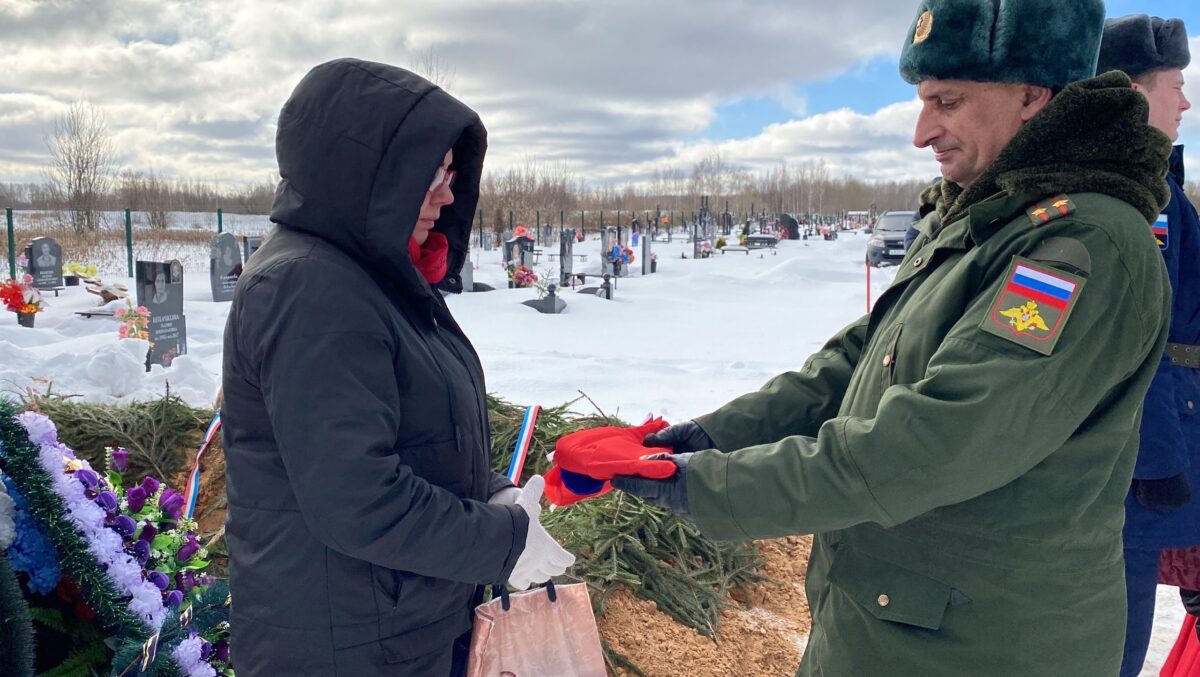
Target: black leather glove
1191,602
1166,494
670,493
684,438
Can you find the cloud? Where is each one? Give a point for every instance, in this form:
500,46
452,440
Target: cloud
609,90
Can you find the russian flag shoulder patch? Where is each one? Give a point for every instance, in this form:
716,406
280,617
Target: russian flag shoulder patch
1162,232
1033,305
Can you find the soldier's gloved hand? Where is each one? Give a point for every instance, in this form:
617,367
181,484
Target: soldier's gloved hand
1191,602
1165,494
670,493
684,438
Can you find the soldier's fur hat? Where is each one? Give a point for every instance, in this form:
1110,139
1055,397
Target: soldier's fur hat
1138,43
1028,41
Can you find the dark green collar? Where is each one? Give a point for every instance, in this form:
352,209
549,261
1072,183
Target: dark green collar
990,215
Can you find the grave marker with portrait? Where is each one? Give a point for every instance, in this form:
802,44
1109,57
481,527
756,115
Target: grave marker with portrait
45,262
160,290
224,266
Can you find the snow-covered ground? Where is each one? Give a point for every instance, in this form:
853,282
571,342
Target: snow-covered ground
678,343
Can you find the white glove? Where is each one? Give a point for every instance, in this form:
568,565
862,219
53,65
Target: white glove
506,496
542,558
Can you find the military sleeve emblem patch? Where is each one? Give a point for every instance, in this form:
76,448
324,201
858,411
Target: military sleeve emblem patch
1033,305
1049,209
1162,234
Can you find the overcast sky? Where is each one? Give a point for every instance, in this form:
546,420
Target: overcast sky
611,89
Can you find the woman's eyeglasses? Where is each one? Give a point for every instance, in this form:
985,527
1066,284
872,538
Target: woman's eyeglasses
442,177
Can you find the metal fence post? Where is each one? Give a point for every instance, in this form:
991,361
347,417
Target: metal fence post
12,245
220,221
129,239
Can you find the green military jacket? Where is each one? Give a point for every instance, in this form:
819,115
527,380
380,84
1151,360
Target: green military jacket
962,457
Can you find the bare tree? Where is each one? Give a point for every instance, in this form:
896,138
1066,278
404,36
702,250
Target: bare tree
82,161
429,65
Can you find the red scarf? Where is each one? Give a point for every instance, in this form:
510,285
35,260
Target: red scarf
430,258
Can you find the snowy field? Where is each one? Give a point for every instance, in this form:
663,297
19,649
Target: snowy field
678,343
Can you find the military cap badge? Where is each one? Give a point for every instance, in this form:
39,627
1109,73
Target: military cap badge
924,27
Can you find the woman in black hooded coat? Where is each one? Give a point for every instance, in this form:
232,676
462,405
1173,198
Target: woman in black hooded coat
355,425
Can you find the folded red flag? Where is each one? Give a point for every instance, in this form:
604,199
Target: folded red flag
604,453
584,461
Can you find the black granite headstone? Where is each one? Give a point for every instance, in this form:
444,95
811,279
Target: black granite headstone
250,244
566,256
160,290
45,262
519,250
224,266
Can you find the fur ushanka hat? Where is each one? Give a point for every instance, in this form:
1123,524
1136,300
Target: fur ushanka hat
1138,43
1036,42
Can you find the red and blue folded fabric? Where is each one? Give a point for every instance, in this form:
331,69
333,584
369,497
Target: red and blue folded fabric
586,461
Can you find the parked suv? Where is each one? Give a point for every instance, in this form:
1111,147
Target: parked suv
886,246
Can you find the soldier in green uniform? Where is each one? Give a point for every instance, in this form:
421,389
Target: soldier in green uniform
963,452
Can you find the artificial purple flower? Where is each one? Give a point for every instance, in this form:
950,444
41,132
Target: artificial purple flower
150,485
136,498
108,501
149,531
87,478
159,579
174,599
120,459
185,581
171,504
221,651
141,552
189,548
206,651
125,525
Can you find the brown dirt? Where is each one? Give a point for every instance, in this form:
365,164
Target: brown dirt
762,639
210,506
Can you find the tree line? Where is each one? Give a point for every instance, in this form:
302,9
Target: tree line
83,180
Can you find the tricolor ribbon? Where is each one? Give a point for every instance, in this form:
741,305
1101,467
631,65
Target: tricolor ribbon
524,438
193,484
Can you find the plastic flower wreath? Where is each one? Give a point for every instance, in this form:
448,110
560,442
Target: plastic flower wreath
521,276
130,552
21,297
135,322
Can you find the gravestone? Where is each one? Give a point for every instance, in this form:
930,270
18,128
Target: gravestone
519,250
550,304
160,290
45,262
607,240
647,256
250,244
224,266
566,256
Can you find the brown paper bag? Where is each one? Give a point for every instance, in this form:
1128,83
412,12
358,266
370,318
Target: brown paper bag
544,632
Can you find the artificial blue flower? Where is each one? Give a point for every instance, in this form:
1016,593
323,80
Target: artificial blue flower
31,552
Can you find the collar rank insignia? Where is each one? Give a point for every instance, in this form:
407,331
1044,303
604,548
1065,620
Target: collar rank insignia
1162,234
1049,209
1033,305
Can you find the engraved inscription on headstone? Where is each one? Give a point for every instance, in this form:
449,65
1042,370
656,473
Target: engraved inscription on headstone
45,262
160,290
224,266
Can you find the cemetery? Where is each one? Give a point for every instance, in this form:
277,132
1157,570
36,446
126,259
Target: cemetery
147,346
